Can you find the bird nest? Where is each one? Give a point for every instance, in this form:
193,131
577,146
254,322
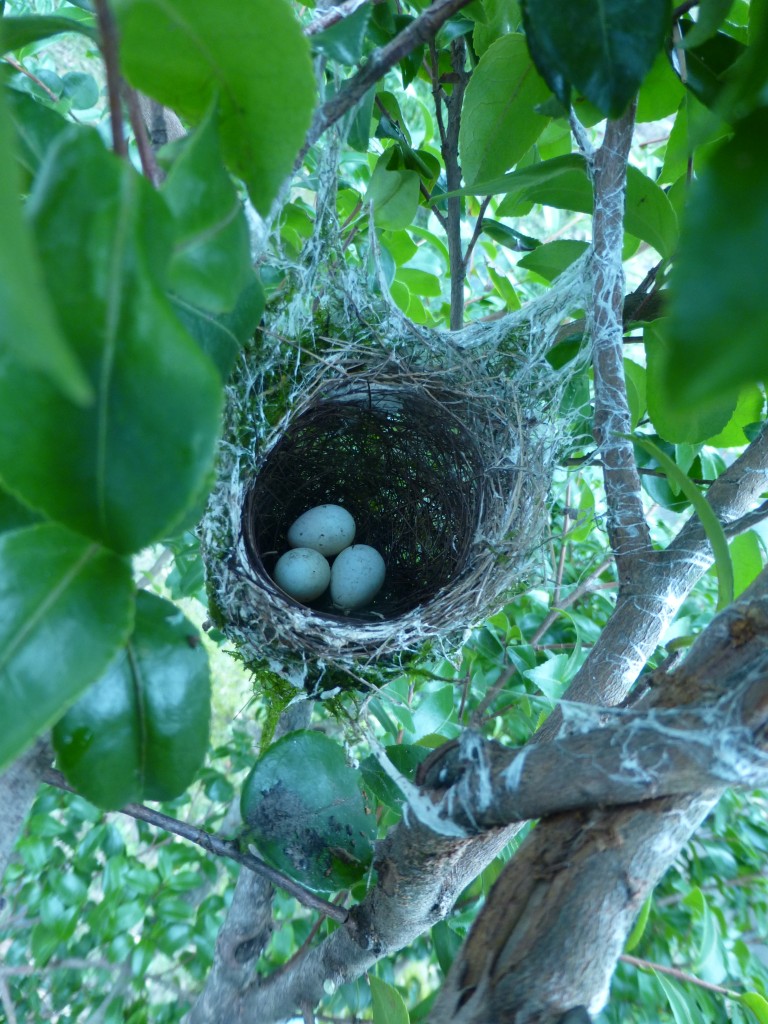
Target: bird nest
444,471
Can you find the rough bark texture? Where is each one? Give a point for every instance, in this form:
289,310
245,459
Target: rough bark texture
557,919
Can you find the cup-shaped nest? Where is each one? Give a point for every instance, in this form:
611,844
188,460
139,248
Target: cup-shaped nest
428,461
401,462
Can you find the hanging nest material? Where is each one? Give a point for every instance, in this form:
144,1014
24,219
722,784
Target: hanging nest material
440,445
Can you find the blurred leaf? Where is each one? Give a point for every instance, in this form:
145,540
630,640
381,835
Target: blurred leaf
552,258
749,408
757,1004
604,51
254,55
387,1003
507,236
710,16
124,469
636,379
66,608
661,92
81,90
639,926
221,337
211,262
13,514
674,420
683,1008
709,520
718,273
499,122
344,41
419,281
31,28
36,125
747,558
393,194
141,731
318,834
29,329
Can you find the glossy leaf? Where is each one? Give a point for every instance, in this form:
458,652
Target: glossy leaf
211,261
318,834
562,182
499,122
718,314
29,330
676,421
603,51
709,520
252,54
683,1008
747,558
125,468
387,1003
221,337
711,14
141,731
394,195
757,1004
551,259
344,40
748,411
31,28
66,608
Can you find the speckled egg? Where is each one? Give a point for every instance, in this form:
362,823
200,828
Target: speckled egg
326,528
303,574
357,575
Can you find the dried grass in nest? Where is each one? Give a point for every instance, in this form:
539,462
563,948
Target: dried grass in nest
443,470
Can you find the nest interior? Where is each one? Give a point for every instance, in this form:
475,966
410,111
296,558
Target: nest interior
401,461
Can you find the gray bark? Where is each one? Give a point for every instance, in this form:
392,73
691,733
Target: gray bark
18,788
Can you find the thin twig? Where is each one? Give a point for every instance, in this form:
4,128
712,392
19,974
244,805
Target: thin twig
476,233
109,51
419,31
219,847
332,16
673,972
7,1003
586,586
147,156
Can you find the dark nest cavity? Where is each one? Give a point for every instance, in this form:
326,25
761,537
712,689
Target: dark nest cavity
401,461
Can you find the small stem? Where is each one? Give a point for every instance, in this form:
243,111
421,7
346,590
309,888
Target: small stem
219,847
149,163
109,51
476,233
673,972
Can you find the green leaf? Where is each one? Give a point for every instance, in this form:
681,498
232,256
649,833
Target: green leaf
562,182
221,337
446,944
635,377
211,261
13,514
28,327
387,1003
507,236
252,54
497,18
603,50
124,469
419,281
141,731
711,15
661,93
499,122
394,195
683,1009
26,29
552,258
757,1004
718,313
81,90
318,834
37,126
709,520
66,608
749,409
677,421
344,40
639,926
747,558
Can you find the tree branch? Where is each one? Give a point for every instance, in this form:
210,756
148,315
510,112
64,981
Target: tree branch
627,528
419,31
218,847
109,51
